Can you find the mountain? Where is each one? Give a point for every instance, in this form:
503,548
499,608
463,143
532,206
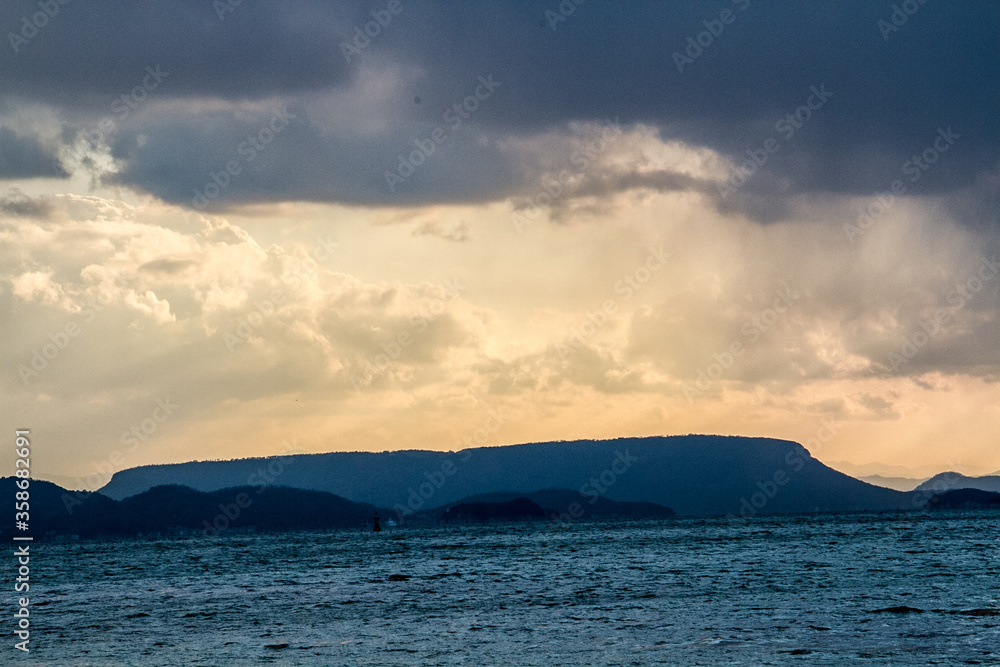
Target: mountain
953,480
53,508
693,474
964,499
568,505
924,471
518,509
175,507
897,483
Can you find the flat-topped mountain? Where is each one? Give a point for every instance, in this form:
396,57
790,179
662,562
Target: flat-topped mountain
694,474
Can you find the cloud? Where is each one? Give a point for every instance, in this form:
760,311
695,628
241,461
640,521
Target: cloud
257,51
168,266
888,97
209,302
39,286
188,247
877,407
25,157
19,204
458,233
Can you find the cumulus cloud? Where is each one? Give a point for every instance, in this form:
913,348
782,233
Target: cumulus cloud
202,310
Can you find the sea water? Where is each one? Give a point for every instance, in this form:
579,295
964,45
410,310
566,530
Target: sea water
764,591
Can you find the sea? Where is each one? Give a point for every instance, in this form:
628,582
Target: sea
778,590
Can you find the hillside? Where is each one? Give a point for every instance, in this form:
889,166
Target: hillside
175,507
569,505
518,509
953,480
897,483
964,499
694,475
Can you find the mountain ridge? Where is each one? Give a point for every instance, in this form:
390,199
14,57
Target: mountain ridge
947,481
180,509
693,474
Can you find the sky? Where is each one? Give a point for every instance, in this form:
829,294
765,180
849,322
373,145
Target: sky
233,229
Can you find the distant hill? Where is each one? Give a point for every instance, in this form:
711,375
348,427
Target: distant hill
175,507
953,480
53,508
568,505
897,483
964,499
694,475
518,509
861,470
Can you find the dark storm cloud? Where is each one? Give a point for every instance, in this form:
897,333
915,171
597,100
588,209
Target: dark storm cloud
178,160
890,92
25,157
88,52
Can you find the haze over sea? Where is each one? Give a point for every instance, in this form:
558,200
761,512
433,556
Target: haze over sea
768,590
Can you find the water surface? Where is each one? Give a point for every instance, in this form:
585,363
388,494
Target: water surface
780,590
